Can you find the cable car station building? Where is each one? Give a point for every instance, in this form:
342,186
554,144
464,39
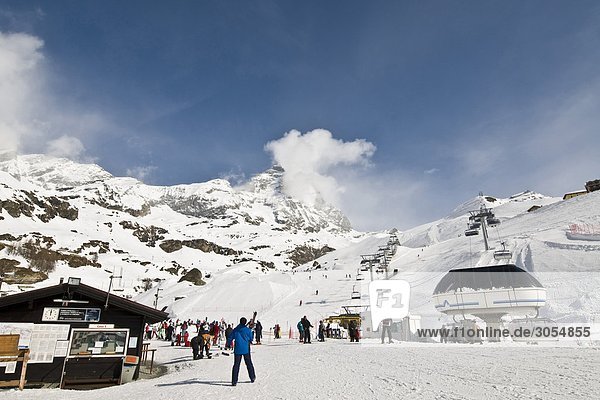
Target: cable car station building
77,335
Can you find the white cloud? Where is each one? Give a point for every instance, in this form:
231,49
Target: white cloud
341,173
431,171
309,160
141,173
20,81
235,177
33,118
66,146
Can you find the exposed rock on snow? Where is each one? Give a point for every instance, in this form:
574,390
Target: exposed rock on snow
304,254
194,276
170,246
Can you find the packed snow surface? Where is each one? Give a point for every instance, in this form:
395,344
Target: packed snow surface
342,370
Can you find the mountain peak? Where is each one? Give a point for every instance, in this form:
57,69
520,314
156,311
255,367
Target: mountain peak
267,183
52,172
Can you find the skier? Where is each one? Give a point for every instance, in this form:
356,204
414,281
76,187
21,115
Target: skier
306,325
321,331
242,336
258,330
386,326
215,333
277,331
204,339
169,331
353,331
228,336
186,338
178,334
195,346
301,330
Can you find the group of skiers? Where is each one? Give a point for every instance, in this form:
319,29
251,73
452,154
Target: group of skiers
201,335
201,342
180,333
304,326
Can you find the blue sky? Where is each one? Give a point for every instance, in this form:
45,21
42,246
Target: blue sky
457,96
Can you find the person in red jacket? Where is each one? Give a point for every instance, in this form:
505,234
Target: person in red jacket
215,332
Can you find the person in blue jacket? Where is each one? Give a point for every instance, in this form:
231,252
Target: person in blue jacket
242,337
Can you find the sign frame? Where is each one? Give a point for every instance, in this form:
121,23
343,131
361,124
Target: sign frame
71,314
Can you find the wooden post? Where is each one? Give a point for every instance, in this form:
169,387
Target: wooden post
24,369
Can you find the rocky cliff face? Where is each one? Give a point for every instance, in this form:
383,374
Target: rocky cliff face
293,213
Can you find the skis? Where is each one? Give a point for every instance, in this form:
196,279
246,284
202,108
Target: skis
253,320
207,358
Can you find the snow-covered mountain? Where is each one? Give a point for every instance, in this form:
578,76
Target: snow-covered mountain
258,249
56,215
50,172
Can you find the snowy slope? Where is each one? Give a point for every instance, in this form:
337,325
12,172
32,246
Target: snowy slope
568,269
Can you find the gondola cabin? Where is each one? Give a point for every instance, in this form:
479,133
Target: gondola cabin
489,292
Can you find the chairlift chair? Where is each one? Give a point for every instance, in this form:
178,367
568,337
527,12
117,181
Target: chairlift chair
502,254
472,232
355,294
359,277
486,212
493,221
